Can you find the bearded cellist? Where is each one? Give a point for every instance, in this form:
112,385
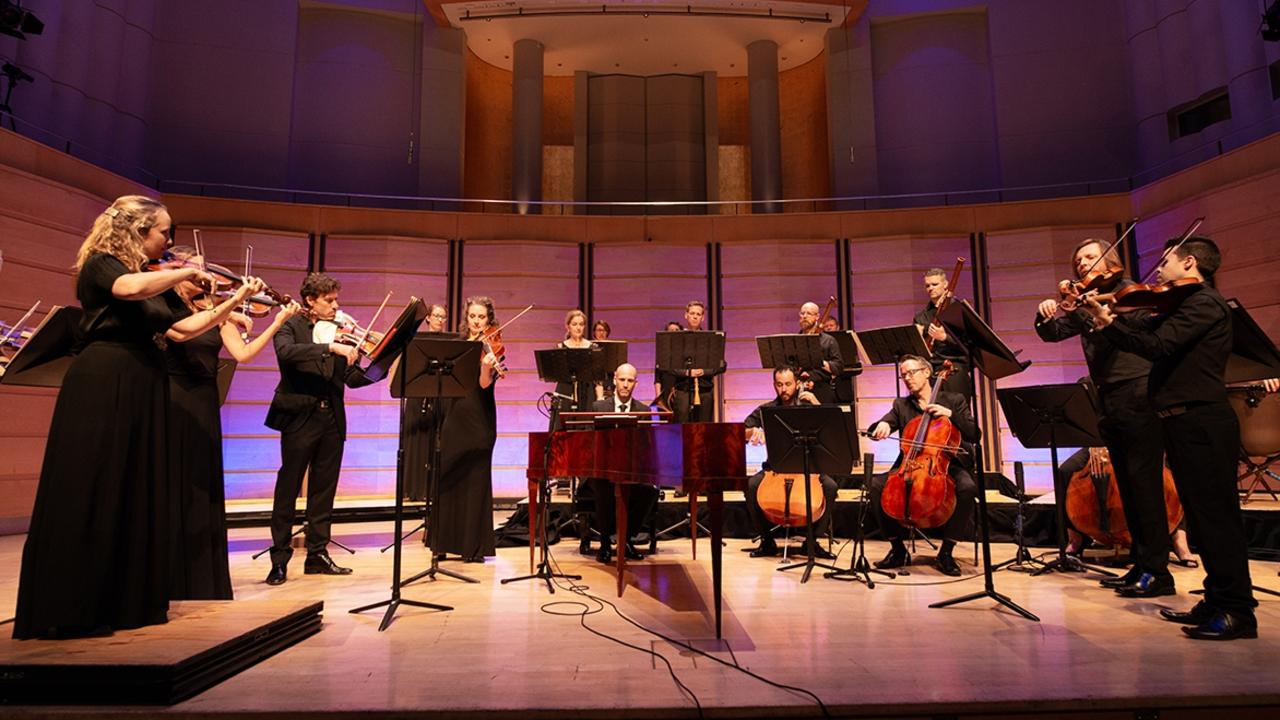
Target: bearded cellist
916,373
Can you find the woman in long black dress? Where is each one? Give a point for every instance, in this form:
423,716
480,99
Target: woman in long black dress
96,556
466,479
584,392
198,546
419,419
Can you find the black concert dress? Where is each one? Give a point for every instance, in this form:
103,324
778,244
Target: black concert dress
418,423
198,533
96,556
465,517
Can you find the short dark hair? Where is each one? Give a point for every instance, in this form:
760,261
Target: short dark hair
601,324
1205,251
785,368
317,284
916,358
934,272
673,322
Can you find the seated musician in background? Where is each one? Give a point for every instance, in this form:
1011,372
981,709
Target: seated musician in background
832,363
916,373
790,393
685,409
831,324
641,496
945,347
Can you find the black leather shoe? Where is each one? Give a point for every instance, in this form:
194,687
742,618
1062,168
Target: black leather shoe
322,564
897,557
631,552
605,555
1128,578
1197,615
278,574
1148,586
947,565
766,548
1224,626
819,551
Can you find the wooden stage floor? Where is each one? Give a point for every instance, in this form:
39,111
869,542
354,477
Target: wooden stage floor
517,651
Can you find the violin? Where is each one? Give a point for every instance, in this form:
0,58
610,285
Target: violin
945,301
1072,292
919,492
259,305
1161,298
491,338
223,278
1094,507
774,496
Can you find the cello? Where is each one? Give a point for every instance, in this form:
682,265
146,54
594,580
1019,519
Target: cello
1094,506
919,492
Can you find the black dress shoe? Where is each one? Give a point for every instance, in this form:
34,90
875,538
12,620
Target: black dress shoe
947,565
605,555
1148,586
278,574
322,564
1224,626
766,548
1197,615
819,551
631,552
897,557
1128,578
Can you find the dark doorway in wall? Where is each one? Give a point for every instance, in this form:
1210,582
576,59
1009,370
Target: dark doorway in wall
1190,118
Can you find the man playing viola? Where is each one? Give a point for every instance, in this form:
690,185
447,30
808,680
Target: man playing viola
308,410
790,393
916,373
1188,348
1128,424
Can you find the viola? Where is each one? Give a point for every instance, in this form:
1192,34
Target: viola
1094,507
781,498
1161,298
223,278
1094,279
920,492
491,338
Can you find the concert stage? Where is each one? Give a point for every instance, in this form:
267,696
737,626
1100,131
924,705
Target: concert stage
517,651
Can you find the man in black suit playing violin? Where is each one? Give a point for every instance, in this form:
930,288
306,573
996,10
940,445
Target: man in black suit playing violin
641,497
916,373
308,411
1188,347
1127,421
790,393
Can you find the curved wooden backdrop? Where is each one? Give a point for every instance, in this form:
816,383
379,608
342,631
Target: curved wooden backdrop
758,270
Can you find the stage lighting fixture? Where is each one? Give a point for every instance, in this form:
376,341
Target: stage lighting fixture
17,21
1271,23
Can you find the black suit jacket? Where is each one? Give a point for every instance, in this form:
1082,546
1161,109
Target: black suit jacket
309,373
606,405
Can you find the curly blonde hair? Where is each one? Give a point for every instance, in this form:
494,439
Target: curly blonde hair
119,231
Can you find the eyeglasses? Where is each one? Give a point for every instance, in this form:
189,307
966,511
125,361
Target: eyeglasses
905,374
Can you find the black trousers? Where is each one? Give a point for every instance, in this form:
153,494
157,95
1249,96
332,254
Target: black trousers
958,528
641,499
316,445
1202,446
1131,431
762,524
685,411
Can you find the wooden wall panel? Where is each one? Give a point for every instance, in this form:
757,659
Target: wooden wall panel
887,277
1024,268
515,273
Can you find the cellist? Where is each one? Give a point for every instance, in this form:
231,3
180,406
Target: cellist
916,373
1129,426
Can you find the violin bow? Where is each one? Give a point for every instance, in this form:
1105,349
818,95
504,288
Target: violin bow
1191,230
369,328
517,316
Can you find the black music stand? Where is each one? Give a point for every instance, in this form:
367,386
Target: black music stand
989,354
1022,560
43,359
883,346
612,354
681,351
1253,355
1051,416
859,568
556,365
793,350
423,360
807,439
843,382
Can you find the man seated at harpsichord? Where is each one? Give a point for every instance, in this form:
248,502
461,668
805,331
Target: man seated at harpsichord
642,496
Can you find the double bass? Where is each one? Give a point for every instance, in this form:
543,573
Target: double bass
1094,506
920,492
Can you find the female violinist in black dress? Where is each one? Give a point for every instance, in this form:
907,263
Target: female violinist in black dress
198,535
466,466
96,556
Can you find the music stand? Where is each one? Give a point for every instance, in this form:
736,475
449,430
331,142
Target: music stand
883,346
807,439
684,351
43,359
843,383
1253,355
989,354
612,354
1051,416
455,367
555,365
